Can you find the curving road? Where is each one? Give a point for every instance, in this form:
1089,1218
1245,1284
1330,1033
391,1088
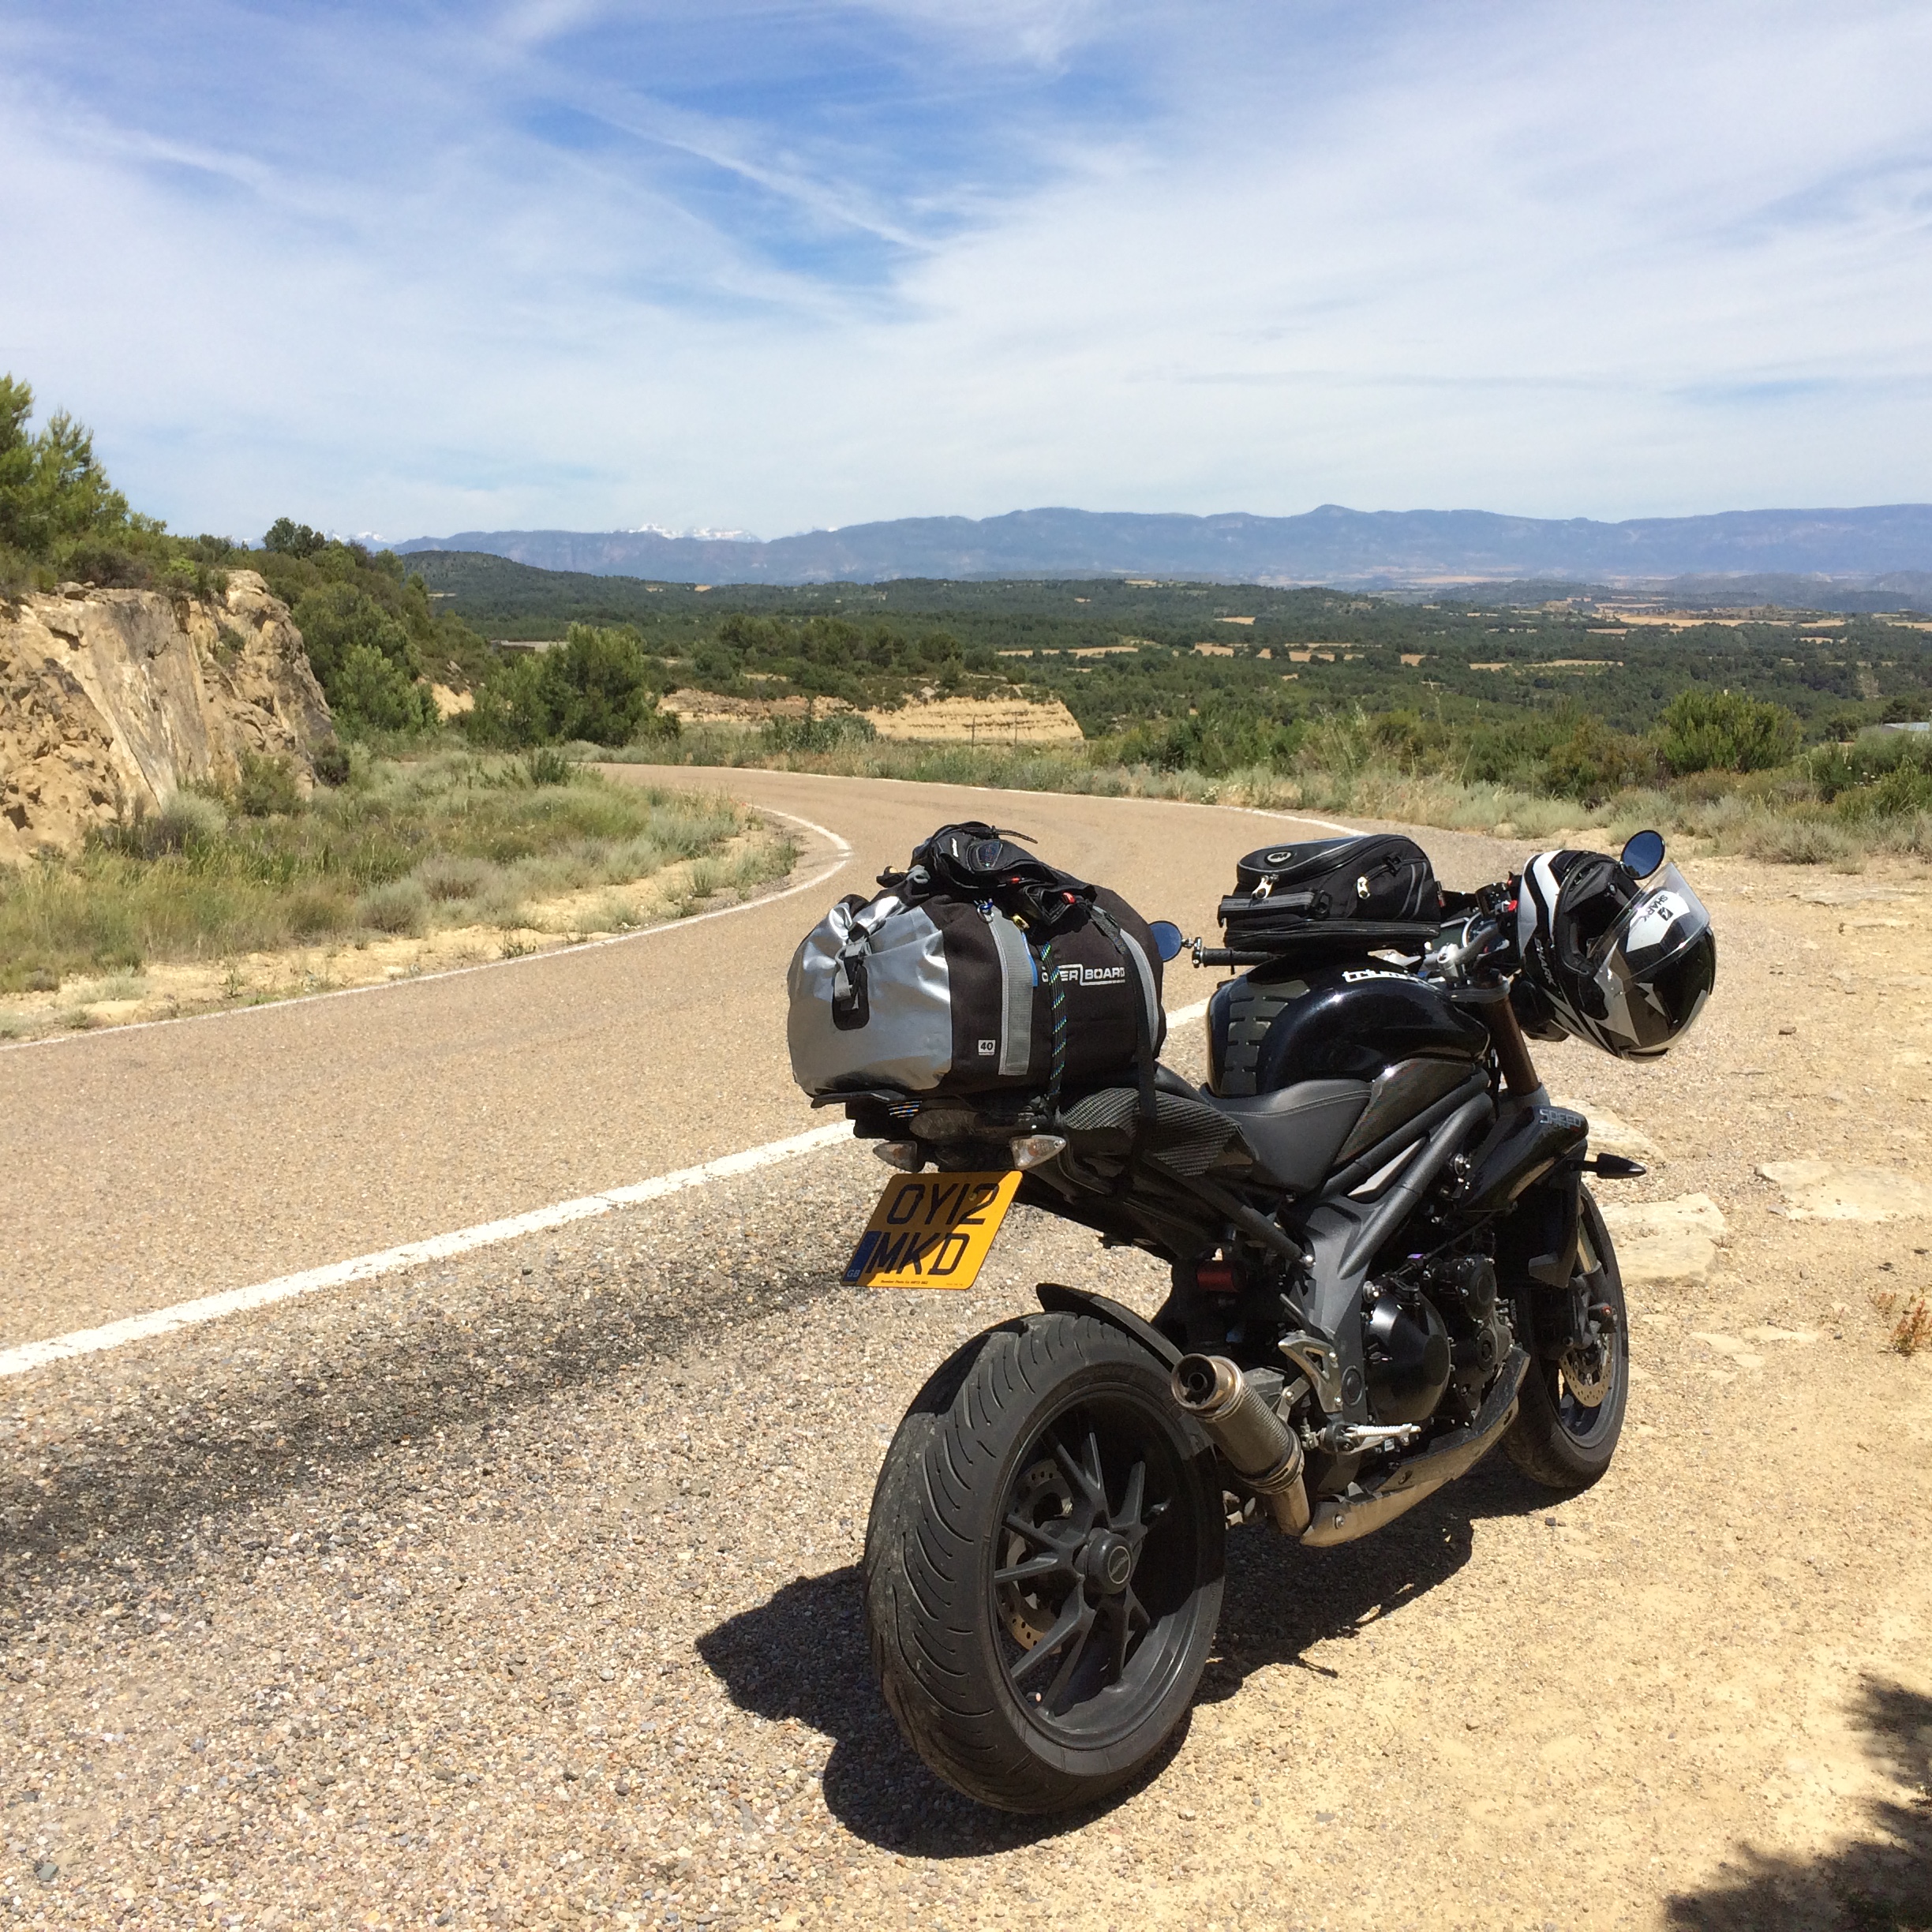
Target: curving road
518,1589
143,1167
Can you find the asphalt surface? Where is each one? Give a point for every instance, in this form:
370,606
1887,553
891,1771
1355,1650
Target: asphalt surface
519,1590
143,1167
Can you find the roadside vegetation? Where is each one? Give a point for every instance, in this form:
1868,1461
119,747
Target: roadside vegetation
452,840
1706,772
1532,708
1556,710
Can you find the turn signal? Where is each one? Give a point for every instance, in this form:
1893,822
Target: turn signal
1035,1149
907,1155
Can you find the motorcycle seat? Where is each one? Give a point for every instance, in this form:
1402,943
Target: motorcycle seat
1295,1133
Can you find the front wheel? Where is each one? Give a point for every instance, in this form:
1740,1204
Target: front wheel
1571,1412
1043,1564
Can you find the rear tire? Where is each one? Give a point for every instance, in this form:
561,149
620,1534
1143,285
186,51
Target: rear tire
1043,1564
1565,1429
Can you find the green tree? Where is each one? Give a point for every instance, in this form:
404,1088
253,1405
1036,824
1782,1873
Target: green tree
597,686
339,618
370,689
286,537
1706,730
53,488
364,659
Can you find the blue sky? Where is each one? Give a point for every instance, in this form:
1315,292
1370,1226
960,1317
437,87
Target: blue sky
411,268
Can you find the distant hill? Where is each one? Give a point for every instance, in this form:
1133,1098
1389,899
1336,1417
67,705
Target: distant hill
1384,549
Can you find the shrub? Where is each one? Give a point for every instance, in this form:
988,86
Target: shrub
373,691
597,685
1706,730
1593,762
187,819
449,876
1791,840
810,733
267,786
332,763
546,766
401,906
1213,740
1905,789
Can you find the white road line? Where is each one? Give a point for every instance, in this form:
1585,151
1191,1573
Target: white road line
840,846
33,1355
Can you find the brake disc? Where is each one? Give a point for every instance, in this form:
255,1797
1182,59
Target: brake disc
1042,1494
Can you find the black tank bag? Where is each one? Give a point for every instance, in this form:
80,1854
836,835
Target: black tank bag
1330,897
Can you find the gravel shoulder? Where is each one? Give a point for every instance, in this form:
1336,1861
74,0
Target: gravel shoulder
521,1590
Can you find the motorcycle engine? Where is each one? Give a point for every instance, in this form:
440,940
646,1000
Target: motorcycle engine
1406,1350
1481,1335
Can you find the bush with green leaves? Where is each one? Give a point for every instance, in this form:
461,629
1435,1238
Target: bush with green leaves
597,686
1592,762
1706,730
267,786
811,733
354,608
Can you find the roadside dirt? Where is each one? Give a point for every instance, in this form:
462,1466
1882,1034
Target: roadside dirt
520,1591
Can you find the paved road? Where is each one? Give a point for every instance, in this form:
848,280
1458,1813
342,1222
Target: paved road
139,1169
517,1590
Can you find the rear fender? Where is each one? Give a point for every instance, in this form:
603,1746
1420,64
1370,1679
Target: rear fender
1058,1300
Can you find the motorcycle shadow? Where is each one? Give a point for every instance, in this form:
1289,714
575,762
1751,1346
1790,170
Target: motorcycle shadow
1282,1601
801,1657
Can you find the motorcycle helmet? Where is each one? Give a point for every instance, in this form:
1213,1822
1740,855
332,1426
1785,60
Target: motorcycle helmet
1624,963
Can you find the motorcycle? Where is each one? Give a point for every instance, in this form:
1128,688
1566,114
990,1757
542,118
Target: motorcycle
1386,1262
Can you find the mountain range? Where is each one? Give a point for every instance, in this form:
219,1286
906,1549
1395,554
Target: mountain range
1374,549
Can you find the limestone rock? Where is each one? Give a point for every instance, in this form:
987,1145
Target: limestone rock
1816,1190
1669,1241
111,700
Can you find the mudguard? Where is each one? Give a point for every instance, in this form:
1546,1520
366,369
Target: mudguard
1058,1300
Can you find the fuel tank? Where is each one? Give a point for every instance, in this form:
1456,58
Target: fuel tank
1349,1020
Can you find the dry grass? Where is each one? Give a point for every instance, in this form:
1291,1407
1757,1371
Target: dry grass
407,848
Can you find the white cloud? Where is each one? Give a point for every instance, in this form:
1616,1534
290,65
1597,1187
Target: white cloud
780,266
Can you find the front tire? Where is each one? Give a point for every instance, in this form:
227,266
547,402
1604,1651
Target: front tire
1043,1564
1570,1411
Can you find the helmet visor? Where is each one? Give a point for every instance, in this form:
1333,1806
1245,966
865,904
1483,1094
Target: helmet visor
1649,966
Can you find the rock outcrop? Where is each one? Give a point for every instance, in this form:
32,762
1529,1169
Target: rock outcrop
111,700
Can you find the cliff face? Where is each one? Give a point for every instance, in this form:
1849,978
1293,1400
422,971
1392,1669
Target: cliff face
110,700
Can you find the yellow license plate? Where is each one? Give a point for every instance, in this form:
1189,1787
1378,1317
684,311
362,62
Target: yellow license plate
931,1230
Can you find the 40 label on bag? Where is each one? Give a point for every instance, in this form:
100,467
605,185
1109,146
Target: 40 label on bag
931,1230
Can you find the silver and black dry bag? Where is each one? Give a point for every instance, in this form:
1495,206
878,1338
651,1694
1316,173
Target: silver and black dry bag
969,979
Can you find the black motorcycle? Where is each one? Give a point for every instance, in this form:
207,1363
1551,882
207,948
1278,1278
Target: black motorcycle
1385,1264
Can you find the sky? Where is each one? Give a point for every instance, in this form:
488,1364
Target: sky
410,268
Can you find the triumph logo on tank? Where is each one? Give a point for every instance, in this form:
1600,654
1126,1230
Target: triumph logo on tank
1077,974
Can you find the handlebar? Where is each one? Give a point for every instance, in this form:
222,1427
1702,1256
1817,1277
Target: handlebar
1475,946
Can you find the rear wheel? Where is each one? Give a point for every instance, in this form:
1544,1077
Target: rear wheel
1570,1413
1043,1564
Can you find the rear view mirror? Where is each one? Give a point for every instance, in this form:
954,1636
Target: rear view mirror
1168,942
1644,853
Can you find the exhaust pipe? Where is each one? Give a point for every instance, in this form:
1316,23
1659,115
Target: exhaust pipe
1259,1446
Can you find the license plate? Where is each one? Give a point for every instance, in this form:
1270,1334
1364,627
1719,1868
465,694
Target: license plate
931,1230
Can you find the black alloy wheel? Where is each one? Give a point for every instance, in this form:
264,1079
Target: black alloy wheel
1572,1410
1043,1564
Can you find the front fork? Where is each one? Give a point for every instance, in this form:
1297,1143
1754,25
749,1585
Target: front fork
1512,1050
